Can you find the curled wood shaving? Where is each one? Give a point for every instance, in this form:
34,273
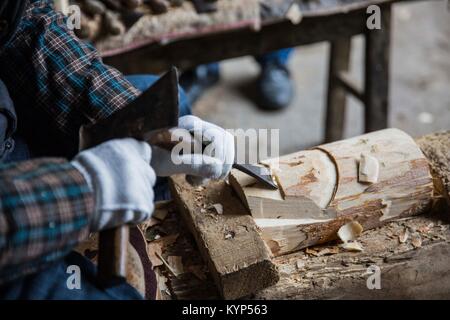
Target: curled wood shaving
350,231
352,246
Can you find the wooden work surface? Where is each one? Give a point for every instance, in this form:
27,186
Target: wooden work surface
417,268
322,20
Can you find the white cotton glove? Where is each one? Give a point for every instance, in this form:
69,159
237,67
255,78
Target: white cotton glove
214,163
122,180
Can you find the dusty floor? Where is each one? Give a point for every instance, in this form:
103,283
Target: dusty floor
420,83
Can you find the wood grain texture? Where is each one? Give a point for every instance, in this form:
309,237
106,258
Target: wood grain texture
407,272
436,147
404,188
230,243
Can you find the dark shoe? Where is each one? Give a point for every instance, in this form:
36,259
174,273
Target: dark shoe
274,86
196,81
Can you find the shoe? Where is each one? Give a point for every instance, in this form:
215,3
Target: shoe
275,89
196,81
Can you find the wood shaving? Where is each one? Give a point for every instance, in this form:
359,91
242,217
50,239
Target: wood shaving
403,237
160,214
350,231
176,263
217,207
352,246
167,265
300,265
369,169
148,224
153,250
416,241
167,240
229,235
294,14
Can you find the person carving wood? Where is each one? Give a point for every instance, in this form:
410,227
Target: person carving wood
48,204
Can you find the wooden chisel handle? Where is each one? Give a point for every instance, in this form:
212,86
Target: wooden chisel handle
112,255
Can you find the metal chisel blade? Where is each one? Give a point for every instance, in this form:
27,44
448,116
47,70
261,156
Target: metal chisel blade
262,174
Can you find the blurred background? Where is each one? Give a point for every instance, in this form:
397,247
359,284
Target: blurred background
419,92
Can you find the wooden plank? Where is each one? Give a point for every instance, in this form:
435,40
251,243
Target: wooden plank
290,222
230,243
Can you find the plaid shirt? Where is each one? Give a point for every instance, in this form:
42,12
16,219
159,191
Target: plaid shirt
45,210
57,84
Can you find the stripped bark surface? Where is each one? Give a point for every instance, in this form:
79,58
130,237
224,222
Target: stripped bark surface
319,194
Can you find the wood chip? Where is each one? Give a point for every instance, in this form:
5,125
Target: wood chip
166,241
300,264
311,252
403,237
149,223
167,265
294,14
416,240
160,214
369,169
229,235
350,231
217,207
176,263
352,246
319,252
153,250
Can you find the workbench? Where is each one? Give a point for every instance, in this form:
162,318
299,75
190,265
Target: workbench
408,270
334,21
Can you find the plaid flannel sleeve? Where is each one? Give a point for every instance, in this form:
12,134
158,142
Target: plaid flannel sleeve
47,69
45,208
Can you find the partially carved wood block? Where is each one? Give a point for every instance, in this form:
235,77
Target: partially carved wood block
323,188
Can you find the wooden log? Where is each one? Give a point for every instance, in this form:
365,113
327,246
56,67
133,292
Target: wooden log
230,243
321,190
436,147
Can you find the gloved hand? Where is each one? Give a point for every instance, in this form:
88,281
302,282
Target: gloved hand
119,173
214,163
